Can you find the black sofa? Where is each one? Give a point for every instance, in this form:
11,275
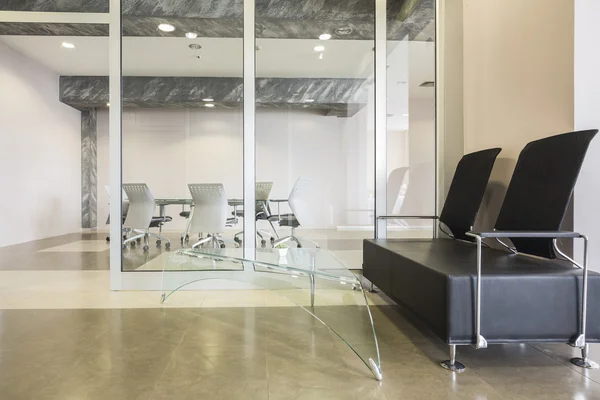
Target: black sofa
527,294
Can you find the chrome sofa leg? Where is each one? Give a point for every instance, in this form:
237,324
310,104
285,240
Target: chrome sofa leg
372,288
584,361
452,364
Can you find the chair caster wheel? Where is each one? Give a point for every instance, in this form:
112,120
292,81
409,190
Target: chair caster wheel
263,242
132,244
167,245
299,246
272,240
158,242
222,245
146,247
138,240
108,238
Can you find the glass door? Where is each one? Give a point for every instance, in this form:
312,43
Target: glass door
315,124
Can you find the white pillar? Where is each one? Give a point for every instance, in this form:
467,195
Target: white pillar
587,116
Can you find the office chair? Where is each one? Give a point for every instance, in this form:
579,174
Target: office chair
263,213
124,208
300,204
140,216
210,212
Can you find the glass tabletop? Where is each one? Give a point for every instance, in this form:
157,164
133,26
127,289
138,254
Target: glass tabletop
310,278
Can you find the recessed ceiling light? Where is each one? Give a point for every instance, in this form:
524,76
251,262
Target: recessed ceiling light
68,45
208,99
191,35
321,56
345,30
405,115
166,27
309,101
319,48
209,105
107,104
325,36
195,46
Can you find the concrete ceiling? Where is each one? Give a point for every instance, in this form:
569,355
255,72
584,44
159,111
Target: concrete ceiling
294,19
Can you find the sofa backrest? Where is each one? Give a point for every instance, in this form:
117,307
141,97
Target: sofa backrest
541,187
466,191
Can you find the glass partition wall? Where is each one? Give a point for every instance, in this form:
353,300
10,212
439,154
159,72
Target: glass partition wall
308,149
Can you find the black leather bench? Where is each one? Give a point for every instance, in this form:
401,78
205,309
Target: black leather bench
528,292
524,299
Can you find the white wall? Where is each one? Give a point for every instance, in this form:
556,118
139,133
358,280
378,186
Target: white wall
169,148
518,81
40,153
587,116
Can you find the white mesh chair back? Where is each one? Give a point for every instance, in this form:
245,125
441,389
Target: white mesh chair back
123,193
141,206
263,190
124,202
210,207
303,202
394,186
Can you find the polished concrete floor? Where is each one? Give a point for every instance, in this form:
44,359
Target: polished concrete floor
63,335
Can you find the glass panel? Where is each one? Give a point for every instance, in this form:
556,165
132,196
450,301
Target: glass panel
411,157
182,126
315,125
312,279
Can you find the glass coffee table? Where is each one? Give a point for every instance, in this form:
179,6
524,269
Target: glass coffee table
310,278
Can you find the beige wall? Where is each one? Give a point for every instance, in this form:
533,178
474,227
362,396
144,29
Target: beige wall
518,80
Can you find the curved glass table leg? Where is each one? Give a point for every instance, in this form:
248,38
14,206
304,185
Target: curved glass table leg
334,297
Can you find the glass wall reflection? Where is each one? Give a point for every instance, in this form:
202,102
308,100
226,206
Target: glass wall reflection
315,122
182,128
411,158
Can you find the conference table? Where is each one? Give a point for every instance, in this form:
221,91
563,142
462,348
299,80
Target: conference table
235,203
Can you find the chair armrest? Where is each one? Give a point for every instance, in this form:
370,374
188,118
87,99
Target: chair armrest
408,217
526,234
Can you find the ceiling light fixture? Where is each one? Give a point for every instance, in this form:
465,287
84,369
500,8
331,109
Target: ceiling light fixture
345,30
107,104
166,27
324,36
195,46
210,105
319,48
68,45
208,99
309,101
405,115
321,56
191,35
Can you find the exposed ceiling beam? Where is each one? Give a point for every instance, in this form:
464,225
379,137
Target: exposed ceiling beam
333,96
53,17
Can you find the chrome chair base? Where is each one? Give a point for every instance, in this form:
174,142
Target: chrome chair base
286,240
217,241
453,366
583,363
145,236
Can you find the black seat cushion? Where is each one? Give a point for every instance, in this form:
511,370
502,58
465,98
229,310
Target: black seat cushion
157,221
184,214
286,220
524,299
